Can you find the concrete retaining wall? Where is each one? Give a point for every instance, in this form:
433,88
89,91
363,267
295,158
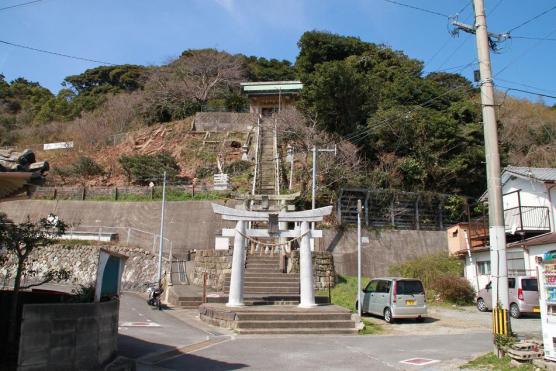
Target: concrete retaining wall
189,224
68,336
323,262
386,248
224,121
216,263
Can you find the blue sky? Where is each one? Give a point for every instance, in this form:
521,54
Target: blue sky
152,32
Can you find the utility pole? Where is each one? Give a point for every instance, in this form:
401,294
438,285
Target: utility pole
161,244
497,234
359,301
314,181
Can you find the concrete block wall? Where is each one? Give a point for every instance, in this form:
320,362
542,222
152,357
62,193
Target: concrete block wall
81,336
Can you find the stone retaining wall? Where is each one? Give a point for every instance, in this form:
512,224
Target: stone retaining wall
81,261
216,263
68,336
323,262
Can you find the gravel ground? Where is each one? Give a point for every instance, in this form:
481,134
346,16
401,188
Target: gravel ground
456,320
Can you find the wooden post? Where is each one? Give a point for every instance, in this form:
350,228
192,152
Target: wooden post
329,292
83,194
116,194
55,193
204,287
152,193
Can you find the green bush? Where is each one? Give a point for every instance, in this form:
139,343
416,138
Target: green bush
145,168
237,167
454,289
83,167
429,268
86,166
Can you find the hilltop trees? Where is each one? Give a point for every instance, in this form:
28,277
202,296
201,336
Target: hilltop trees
416,133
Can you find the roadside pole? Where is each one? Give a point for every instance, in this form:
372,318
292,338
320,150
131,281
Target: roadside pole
161,244
359,258
497,234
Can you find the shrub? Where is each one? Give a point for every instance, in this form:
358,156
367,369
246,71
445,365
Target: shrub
237,167
86,166
429,268
144,168
453,289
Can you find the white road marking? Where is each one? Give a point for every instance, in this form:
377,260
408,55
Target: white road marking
419,361
140,324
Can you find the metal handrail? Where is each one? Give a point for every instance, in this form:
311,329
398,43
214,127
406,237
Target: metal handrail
276,160
257,149
527,217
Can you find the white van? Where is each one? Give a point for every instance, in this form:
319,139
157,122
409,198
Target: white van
394,298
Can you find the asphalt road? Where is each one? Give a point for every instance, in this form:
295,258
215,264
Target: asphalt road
443,352
177,340
145,330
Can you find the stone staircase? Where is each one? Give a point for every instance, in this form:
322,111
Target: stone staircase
280,319
266,185
264,282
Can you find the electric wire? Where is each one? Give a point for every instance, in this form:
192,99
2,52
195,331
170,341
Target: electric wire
531,19
417,8
18,5
523,54
527,86
56,53
527,91
532,38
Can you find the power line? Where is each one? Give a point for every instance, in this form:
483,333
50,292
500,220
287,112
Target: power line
532,38
22,4
56,53
527,86
417,8
532,19
527,91
524,53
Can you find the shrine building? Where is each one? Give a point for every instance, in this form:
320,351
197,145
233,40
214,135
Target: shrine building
268,97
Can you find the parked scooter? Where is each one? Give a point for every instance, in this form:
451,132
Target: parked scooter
154,293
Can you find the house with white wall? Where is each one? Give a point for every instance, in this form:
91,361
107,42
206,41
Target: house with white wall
529,199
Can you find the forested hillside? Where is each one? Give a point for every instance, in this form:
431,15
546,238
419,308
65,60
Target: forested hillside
401,128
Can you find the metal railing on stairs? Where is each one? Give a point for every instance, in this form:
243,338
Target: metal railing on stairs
257,170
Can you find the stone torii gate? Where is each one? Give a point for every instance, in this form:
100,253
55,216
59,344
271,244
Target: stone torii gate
303,231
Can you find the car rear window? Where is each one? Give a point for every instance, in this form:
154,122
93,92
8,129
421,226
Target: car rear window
529,284
409,287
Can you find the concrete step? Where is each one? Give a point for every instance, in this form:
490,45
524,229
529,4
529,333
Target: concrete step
285,316
300,331
263,270
301,324
267,284
262,264
271,290
270,275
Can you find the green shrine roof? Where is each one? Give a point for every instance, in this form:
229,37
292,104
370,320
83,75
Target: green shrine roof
271,87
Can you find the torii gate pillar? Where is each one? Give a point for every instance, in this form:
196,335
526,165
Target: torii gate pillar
306,285
235,298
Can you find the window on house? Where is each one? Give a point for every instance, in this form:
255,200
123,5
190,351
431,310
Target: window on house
455,233
483,267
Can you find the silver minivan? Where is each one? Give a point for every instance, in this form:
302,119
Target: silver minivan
394,298
523,292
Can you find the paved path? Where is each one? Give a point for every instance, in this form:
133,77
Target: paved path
445,352
138,339
183,342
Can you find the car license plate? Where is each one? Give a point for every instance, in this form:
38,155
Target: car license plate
410,302
536,309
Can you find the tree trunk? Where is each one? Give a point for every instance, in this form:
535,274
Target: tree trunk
12,331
